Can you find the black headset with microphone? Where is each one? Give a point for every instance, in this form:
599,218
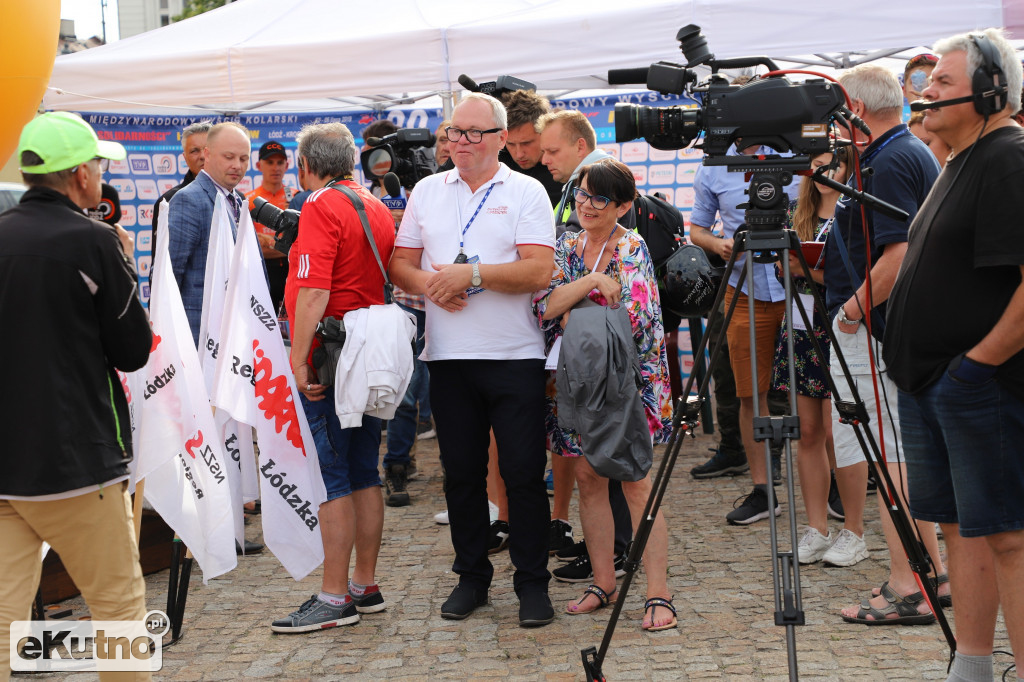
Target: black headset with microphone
988,83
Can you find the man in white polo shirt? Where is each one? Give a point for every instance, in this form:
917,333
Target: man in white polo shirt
478,241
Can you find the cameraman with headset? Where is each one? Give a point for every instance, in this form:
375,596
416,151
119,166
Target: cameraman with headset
902,170
961,376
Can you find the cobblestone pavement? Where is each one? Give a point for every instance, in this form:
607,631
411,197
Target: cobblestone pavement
720,575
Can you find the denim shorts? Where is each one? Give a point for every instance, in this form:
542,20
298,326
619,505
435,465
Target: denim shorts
964,444
348,457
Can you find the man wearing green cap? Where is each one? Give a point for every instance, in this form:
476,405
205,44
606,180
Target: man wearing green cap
71,319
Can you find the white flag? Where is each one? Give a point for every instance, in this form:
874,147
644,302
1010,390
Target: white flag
180,453
237,438
254,384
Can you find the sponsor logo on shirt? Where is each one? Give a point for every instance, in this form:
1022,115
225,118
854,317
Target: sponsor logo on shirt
497,210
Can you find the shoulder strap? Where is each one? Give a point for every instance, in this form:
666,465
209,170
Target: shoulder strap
357,203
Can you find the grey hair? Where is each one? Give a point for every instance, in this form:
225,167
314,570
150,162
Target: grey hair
1012,71
328,148
876,87
197,128
498,112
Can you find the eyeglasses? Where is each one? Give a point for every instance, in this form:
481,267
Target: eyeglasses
473,135
104,164
596,200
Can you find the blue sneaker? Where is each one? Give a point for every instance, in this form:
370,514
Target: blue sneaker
549,481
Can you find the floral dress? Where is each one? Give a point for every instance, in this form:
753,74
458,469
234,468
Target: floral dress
811,371
631,266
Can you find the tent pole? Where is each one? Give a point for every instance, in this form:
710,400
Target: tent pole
447,105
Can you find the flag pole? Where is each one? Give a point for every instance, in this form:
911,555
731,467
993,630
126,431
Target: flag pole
137,510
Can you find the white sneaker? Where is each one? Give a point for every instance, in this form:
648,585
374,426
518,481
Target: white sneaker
813,546
847,550
441,518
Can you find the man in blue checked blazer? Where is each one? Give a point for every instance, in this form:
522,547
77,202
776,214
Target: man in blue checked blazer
191,212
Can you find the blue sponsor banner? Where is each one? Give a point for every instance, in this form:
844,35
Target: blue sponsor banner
155,162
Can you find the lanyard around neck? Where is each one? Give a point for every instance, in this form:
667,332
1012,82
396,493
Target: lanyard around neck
462,237
583,256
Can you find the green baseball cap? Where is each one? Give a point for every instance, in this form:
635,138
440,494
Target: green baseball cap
63,140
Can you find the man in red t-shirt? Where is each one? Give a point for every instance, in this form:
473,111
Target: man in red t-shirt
332,271
272,163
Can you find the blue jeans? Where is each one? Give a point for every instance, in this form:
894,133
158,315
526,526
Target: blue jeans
402,429
964,445
348,457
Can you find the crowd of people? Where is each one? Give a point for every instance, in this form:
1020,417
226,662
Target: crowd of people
526,228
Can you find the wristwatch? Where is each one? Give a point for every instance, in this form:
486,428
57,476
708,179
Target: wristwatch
844,319
476,281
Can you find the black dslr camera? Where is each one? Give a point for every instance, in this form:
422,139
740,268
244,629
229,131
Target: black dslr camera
285,224
406,153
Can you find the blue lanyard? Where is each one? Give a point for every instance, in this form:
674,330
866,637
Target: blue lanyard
462,238
880,147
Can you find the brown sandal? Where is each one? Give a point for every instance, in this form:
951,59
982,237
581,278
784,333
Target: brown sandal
604,599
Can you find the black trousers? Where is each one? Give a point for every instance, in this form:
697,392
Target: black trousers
468,399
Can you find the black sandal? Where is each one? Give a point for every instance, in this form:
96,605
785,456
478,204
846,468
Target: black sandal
664,603
905,609
603,597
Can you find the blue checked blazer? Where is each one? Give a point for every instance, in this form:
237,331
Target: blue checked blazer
188,226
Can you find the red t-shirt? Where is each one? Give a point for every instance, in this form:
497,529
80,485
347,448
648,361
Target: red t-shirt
332,252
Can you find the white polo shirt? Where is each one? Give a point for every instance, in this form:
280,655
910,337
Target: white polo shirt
517,212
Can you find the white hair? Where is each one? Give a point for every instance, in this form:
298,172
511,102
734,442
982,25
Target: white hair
497,108
1007,55
876,87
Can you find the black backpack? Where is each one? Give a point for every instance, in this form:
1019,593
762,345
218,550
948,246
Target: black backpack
661,226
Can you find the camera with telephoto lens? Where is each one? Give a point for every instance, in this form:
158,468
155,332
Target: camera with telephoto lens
773,112
285,224
405,152
792,118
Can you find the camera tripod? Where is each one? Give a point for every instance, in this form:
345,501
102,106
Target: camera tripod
766,240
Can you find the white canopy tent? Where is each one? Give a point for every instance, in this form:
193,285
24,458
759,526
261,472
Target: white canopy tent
252,52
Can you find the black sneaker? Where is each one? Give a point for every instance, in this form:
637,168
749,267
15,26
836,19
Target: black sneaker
499,537
572,552
425,430
581,571
835,504
721,464
559,536
395,485
754,508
